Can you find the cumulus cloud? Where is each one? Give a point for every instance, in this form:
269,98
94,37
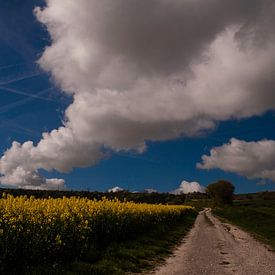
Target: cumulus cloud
115,189
150,190
189,187
147,70
249,159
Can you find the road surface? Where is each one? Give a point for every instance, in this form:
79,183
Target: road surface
213,247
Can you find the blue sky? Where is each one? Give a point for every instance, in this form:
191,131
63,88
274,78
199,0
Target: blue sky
31,103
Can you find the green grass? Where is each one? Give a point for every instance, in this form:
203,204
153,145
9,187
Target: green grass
255,216
199,204
132,256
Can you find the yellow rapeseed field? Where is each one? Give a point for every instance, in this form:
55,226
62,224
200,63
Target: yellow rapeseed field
45,229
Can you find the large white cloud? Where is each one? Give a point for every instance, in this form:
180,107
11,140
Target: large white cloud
189,187
147,70
250,159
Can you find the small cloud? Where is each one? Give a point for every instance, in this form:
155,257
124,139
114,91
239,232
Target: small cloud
261,182
149,190
115,189
189,187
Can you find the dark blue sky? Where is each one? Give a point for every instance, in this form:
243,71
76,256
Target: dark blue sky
30,104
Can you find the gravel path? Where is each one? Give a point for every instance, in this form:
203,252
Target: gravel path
213,247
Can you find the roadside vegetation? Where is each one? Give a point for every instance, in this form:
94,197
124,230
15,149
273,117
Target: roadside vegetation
255,216
103,237
139,254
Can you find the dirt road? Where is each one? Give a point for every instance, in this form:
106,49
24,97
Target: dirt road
213,247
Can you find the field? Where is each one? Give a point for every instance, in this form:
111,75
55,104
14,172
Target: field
255,216
199,204
54,232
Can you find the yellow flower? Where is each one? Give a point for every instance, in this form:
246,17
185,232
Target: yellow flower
58,239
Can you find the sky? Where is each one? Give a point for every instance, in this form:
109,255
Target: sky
164,95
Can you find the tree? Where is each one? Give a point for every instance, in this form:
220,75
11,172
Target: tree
221,192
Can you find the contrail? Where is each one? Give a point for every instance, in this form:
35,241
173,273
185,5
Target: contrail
18,128
25,100
12,65
137,157
20,79
35,96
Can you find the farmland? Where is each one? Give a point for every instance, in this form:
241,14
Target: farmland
38,231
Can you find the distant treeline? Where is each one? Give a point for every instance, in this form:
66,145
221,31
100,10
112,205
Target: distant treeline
143,197
266,195
139,197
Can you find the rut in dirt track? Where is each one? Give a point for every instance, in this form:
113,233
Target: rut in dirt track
213,247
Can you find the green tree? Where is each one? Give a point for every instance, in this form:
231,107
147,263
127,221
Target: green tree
221,192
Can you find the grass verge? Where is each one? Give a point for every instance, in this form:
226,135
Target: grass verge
199,204
132,256
256,217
